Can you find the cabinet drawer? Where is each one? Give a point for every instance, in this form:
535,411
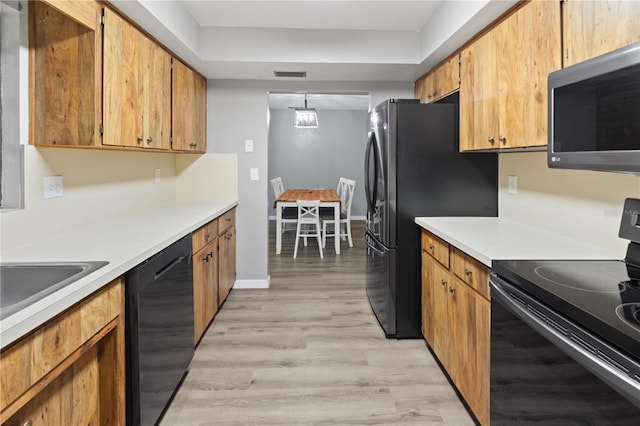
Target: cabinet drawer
437,248
471,271
26,362
204,235
227,220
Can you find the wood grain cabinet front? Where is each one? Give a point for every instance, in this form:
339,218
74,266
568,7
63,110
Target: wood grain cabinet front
65,73
136,87
503,80
456,321
227,260
439,82
205,285
71,370
592,28
189,105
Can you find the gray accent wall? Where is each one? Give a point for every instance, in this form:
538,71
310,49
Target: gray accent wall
317,158
238,110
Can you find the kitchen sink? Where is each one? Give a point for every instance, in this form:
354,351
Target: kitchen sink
22,284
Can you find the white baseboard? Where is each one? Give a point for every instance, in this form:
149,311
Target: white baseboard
252,283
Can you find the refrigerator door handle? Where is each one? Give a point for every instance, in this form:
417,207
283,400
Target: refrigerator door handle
371,145
370,241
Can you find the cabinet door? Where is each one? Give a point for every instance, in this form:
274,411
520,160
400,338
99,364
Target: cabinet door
503,88
121,85
424,88
469,314
188,109
441,316
592,28
525,61
155,94
201,114
440,82
479,93
226,263
427,299
205,287
66,66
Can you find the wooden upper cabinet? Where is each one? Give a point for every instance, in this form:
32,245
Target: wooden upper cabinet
189,109
503,80
439,82
137,82
592,28
65,73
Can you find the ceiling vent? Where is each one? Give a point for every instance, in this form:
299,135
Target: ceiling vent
296,74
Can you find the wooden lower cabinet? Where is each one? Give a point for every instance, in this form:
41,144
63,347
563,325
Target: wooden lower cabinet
456,321
227,266
71,370
214,269
205,287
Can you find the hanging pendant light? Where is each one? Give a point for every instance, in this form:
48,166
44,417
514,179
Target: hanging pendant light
305,118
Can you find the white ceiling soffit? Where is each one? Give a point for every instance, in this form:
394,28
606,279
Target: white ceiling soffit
351,40
319,101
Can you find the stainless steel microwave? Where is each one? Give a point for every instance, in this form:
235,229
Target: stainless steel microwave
594,113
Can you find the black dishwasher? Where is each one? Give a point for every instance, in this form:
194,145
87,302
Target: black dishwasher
159,330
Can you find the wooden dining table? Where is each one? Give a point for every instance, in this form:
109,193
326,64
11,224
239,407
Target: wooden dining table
327,197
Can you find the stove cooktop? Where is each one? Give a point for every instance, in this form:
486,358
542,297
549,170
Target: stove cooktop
603,296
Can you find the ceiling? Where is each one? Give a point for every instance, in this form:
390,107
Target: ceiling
350,40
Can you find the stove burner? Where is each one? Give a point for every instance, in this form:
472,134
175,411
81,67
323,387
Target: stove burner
629,313
578,279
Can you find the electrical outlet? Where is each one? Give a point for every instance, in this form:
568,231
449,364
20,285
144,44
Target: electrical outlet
248,145
158,175
53,186
512,184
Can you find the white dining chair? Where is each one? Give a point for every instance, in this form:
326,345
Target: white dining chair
308,224
289,214
346,200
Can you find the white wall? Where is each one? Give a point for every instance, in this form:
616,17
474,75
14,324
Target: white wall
238,110
586,205
101,184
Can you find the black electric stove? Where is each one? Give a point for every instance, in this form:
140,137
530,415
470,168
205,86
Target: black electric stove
601,295
565,337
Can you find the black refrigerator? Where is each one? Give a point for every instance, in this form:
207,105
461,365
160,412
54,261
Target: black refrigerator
413,169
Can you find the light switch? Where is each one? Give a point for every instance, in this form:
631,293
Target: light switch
248,145
254,174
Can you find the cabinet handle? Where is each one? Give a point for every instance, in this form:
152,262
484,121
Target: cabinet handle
503,139
210,254
229,235
149,139
431,246
444,282
27,423
140,139
452,290
207,236
491,140
206,258
467,272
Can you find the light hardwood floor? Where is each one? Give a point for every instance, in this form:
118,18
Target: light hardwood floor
309,351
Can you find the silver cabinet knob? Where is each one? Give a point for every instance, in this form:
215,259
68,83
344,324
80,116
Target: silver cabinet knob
503,139
491,140
452,290
467,272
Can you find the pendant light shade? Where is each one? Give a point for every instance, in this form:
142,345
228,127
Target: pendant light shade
305,117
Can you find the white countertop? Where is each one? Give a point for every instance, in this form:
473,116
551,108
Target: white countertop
493,238
123,241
